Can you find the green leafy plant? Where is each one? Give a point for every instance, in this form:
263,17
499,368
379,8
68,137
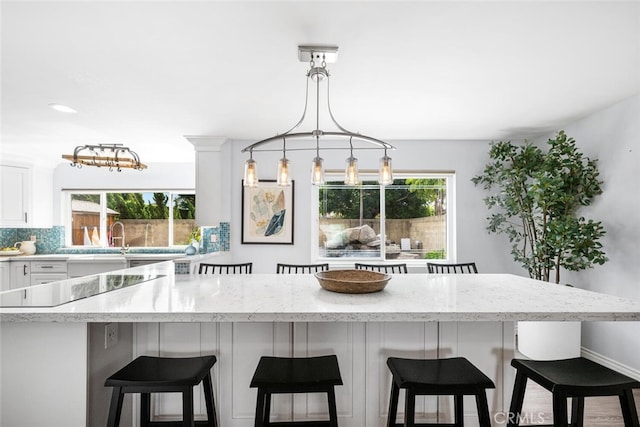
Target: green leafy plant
435,254
536,197
195,235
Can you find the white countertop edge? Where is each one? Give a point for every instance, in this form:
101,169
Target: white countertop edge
314,317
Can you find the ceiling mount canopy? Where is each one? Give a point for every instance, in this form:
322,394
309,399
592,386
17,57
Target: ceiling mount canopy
318,57
112,156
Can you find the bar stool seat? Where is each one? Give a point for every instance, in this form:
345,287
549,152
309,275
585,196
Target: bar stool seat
277,375
146,375
574,378
455,376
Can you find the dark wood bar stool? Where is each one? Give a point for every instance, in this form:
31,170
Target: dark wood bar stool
146,375
277,375
575,378
455,377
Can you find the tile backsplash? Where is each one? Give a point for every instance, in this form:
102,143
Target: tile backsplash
48,240
222,238
51,240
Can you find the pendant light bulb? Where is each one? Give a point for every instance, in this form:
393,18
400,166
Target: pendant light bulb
284,172
317,171
385,174
351,171
250,173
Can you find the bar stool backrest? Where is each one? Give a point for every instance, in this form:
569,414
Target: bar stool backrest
244,268
466,267
300,268
383,268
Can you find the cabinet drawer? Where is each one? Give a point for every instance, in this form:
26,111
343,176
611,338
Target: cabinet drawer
39,279
48,266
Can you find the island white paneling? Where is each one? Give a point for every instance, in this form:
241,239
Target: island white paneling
362,350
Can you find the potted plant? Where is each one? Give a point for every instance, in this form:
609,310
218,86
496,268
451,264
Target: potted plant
536,198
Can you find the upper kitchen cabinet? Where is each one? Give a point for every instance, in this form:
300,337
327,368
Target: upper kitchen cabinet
26,196
15,197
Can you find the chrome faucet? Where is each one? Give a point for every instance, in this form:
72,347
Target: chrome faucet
123,247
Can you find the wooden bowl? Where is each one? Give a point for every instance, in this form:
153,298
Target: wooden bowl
352,281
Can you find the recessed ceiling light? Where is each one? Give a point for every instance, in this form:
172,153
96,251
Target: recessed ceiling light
62,108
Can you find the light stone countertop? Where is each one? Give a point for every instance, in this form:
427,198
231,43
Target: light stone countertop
291,298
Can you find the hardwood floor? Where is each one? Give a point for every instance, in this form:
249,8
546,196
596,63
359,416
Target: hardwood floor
598,411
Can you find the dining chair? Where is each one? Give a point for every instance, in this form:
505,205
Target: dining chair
244,268
300,268
466,267
383,268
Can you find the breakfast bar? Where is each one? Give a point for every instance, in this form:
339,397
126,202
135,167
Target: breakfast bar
240,318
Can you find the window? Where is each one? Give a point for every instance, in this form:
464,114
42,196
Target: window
414,214
135,219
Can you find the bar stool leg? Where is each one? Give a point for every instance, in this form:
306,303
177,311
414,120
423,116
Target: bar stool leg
208,397
577,411
483,409
145,409
259,421
187,407
333,411
115,408
393,404
517,398
267,409
560,410
410,408
458,410
629,412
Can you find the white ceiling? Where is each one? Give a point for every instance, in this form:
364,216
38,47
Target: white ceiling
147,73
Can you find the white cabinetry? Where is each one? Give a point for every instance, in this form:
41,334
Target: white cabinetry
29,273
15,196
85,266
5,276
47,271
20,274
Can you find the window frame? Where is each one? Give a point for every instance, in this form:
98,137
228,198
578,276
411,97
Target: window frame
67,212
373,176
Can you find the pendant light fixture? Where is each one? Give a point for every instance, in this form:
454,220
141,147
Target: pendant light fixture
317,167
250,172
284,172
385,172
351,170
318,57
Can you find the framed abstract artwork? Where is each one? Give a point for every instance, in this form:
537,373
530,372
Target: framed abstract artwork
267,214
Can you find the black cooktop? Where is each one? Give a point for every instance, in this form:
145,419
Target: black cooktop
66,291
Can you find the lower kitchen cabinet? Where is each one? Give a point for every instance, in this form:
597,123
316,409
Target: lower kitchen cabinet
20,274
79,267
5,276
47,271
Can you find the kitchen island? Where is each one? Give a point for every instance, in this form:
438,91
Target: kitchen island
45,362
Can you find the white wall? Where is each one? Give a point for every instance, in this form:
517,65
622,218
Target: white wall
465,158
613,137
